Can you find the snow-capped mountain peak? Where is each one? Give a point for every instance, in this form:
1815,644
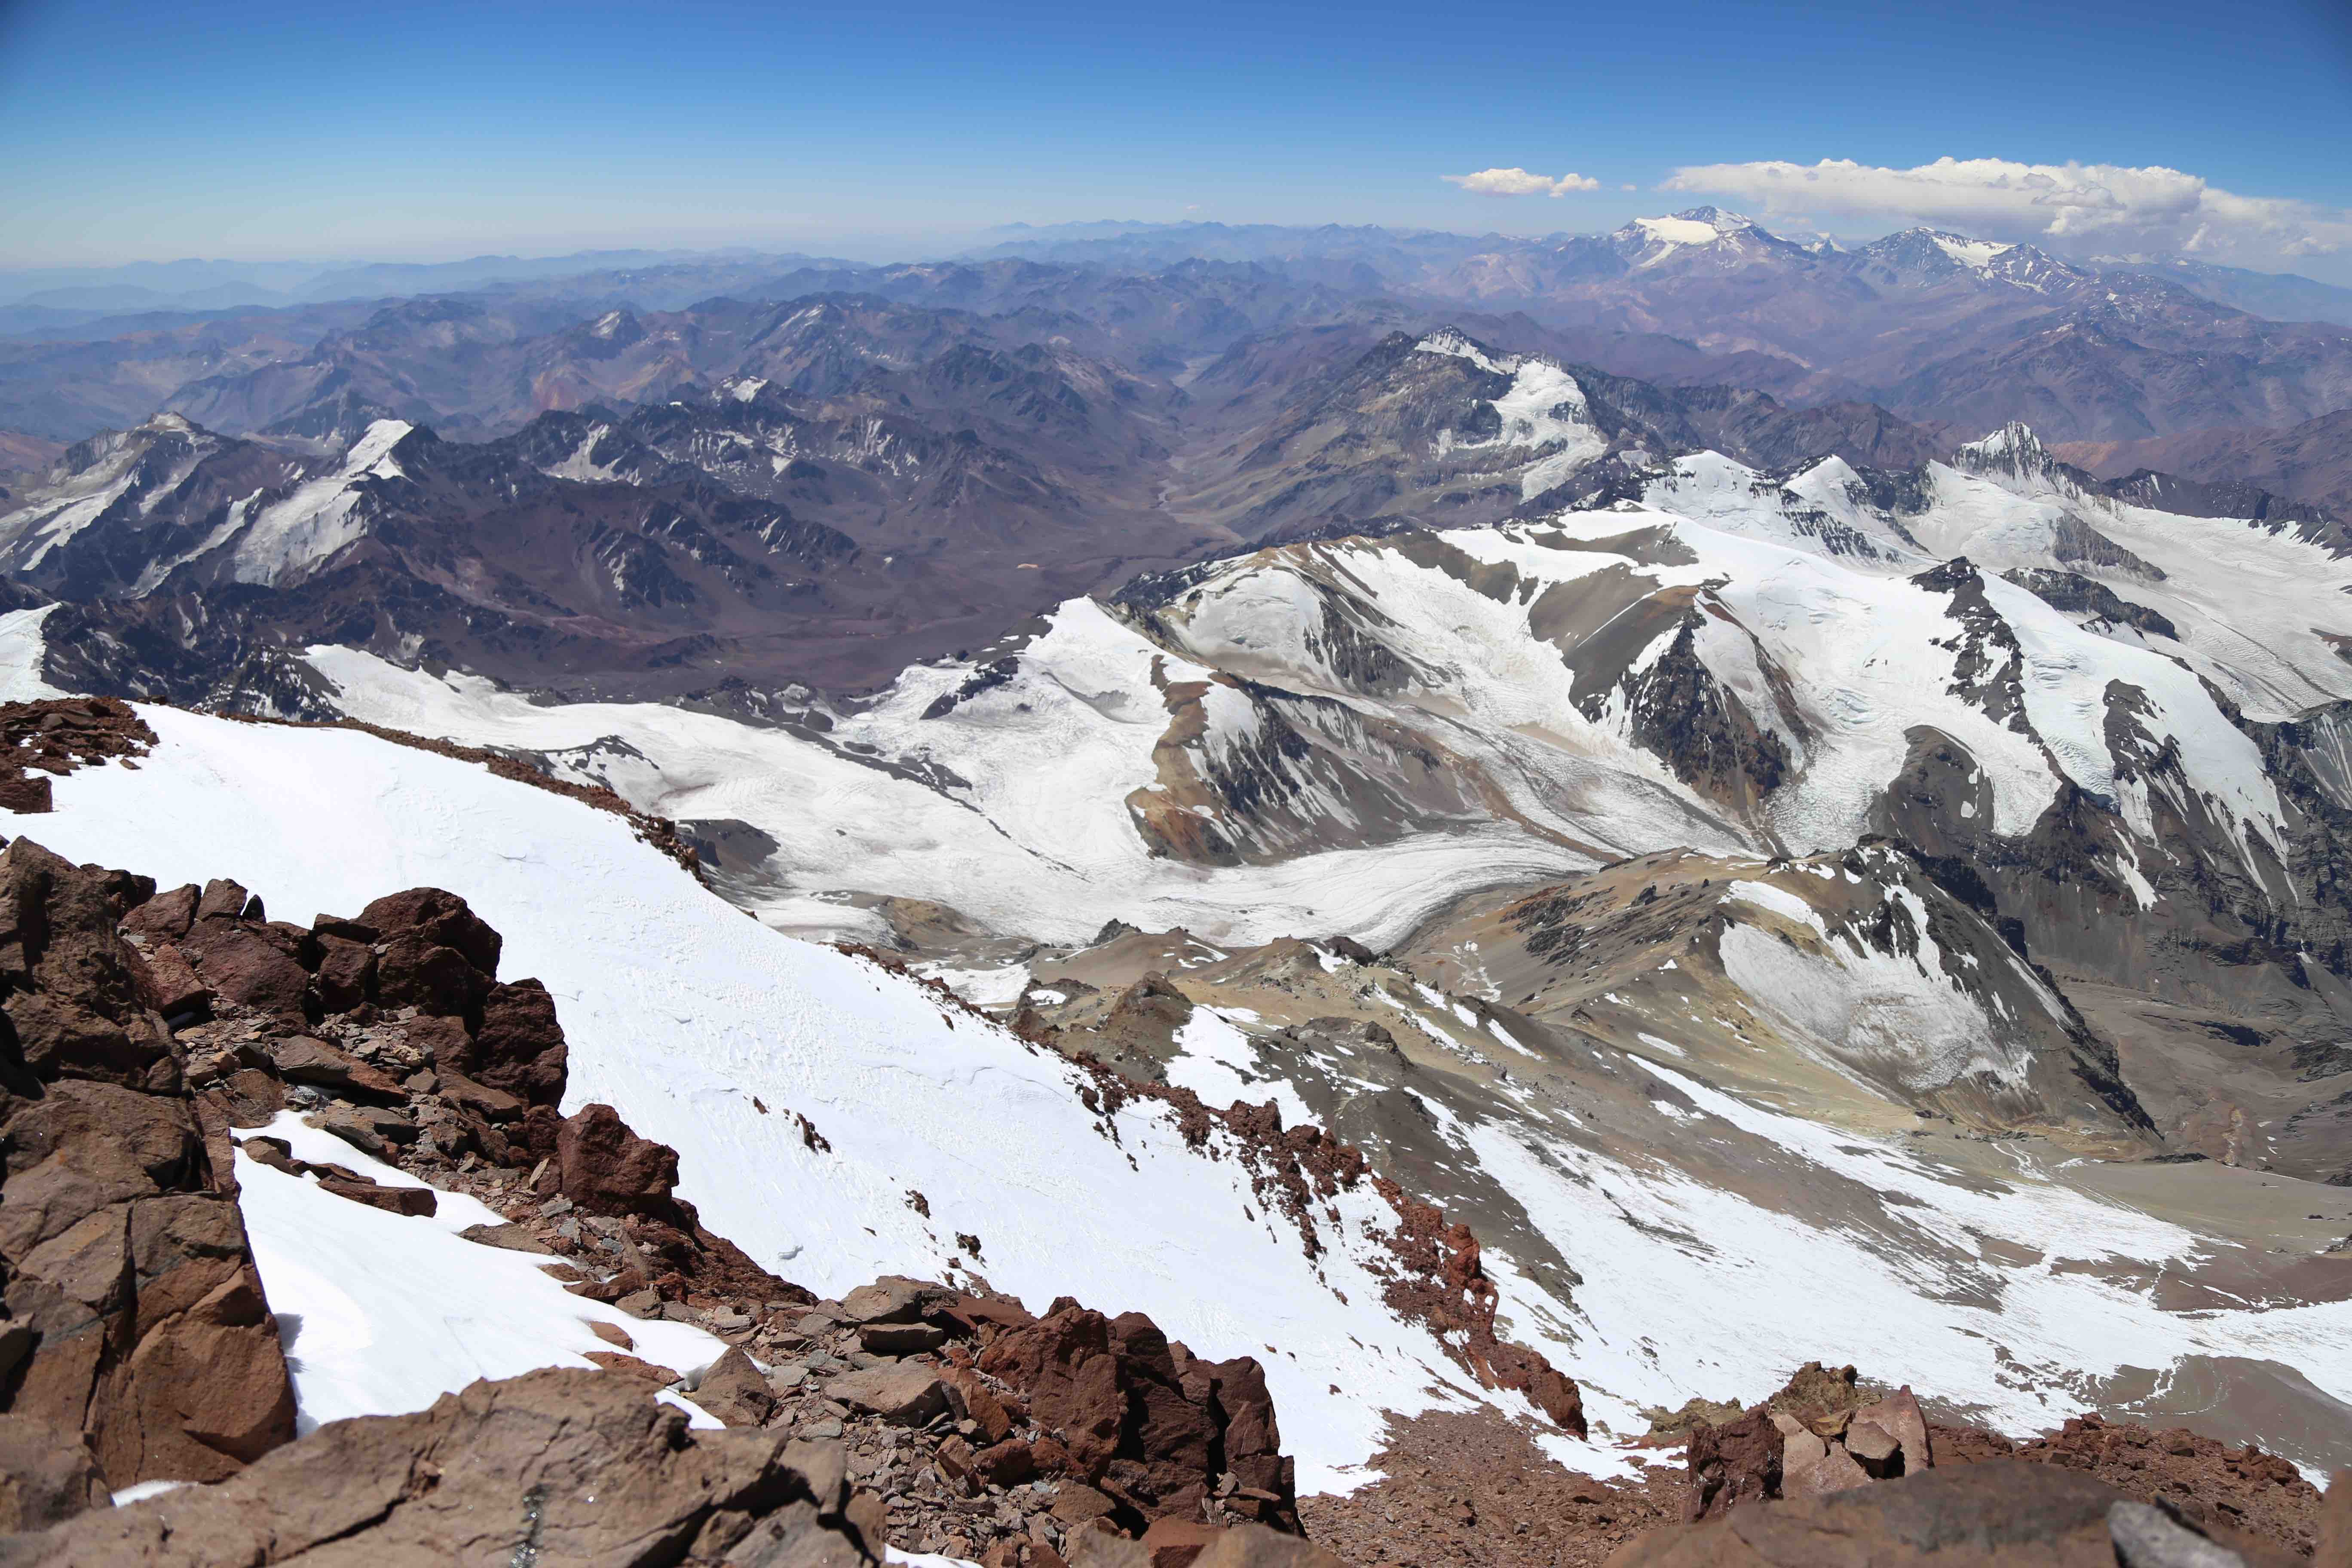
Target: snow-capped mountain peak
1648,241
2013,448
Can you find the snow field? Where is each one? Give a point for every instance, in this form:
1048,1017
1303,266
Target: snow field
691,1018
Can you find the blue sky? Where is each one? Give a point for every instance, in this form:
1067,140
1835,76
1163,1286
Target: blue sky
132,130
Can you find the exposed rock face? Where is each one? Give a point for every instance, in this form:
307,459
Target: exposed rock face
55,736
1822,1434
1144,1421
1973,1517
1447,1287
135,1332
554,1466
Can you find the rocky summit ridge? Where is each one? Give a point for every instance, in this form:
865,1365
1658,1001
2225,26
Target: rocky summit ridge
1184,896
158,1035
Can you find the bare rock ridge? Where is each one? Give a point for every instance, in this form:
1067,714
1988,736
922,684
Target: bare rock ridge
147,1030
137,1342
151,1029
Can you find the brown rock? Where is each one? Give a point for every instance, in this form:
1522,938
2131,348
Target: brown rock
167,917
480,1099
633,1370
250,1097
734,1391
892,1298
43,1480
370,1129
581,1464
346,973
324,926
2332,1528
411,972
511,1238
1099,1546
1076,1504
611,1334
1255,1546
1064,1364
414,1202
1898,1416
1800,1450
899,1339
970,1316
440,919
301,1060
1999,1514
248,964
73,990
1871,1443
1177,1543
519,1048
170,984
224,900
905,1396
1736,1462
972,1400
1835,1471
608,1170
1007,1463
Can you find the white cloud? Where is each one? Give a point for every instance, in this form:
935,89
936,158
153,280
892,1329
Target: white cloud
2083,208
1519,182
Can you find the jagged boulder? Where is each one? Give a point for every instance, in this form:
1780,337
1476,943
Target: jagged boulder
1143,1420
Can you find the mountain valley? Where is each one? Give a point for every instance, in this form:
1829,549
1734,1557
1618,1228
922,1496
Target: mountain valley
1450,859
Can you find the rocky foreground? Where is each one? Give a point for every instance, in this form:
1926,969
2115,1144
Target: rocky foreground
153,1035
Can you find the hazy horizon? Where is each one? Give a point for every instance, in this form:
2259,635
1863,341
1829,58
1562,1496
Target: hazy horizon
442,131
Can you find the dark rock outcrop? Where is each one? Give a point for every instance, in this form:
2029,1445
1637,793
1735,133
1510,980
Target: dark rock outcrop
1143,1420
135,1332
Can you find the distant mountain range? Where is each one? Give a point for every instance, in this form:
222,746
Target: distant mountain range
1943,330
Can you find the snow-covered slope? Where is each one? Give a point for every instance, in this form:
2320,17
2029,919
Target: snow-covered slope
684,1014
716,1035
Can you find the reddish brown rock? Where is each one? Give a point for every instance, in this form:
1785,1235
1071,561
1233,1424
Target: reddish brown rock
411,972
580,1464
248,964
905,1395
606,1169
1898,1416
408,1201
1734,1463
734,1391
480,1099
437,919
301,1060
167,917
136,1324
1142,1420
2001,1514
73,992
2332,1528
43,1480
346,973
169,983
1010,1463
520,1046
224,900
974,1401
1178,1542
